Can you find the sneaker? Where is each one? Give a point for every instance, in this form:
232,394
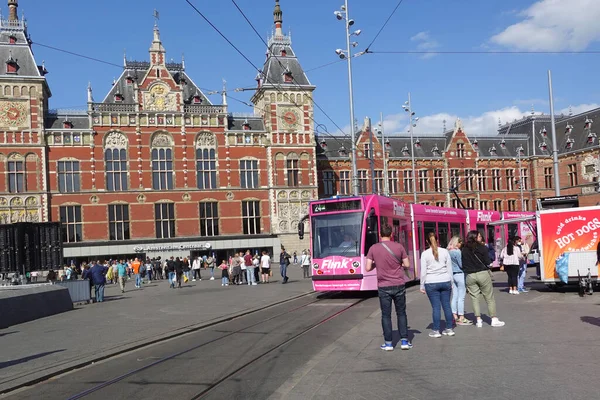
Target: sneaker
405,344
193,280
222,284
524,290
435,334
254,284
386,347
479,323
448,332
212,278
511,291
496,322
227,284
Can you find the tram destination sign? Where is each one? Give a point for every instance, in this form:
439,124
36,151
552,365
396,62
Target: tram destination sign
337,206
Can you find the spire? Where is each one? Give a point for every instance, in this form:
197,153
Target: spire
278,17
89,92
224,92
12,10
157,51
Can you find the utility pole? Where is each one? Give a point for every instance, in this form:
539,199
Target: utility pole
386,182
412,150
554,144
372,159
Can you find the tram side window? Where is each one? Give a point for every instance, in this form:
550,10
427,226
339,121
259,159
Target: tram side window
430,227
420,234
481,229
396,231
443,234
513,230
372,231
491,234
455,229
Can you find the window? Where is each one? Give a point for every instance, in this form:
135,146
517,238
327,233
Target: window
328,183
572,168
206,168
483,205
292,172
16,176
454,203
367,151
512,205
496,179
118,222
548,177
440,204
162,169
525,205
524,178
116,169
345,182
71,227
393,181
362,181
481,180
209,219
249,174
378,181
423,180
469,179
407,181
251,217
497,205
438,180
460,150
454,178
510,179
68,177
471,204
424,203
164,217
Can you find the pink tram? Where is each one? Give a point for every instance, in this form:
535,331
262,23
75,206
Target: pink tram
342,229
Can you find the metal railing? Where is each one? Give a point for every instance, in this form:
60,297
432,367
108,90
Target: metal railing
200,109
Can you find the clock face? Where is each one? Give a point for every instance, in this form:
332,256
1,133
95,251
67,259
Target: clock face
290,118
13,114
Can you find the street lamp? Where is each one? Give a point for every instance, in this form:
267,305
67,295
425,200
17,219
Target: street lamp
384,144
343,15
520,150
407,106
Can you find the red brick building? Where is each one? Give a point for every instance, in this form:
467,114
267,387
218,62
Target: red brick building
155,168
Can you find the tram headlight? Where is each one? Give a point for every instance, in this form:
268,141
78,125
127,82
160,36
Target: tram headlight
319,272
356,264
316,266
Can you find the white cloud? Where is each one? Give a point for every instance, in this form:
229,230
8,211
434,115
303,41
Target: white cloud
554,25
425,43
581,108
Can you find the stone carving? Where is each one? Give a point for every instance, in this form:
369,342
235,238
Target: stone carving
33,216
282,195
5,217
141,198
206,139
16,201
283,226
295,210
283,211
94,199
186,197
162,140
115,139
3,201
590,168
306,194
230,196
159,98
31,201
294,194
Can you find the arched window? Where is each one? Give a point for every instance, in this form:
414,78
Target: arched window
16,174
115,158
206,161
293,170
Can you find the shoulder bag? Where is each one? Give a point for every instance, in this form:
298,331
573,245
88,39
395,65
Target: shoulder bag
395,256
487,267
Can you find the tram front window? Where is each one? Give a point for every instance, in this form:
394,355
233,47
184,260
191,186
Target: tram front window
337,235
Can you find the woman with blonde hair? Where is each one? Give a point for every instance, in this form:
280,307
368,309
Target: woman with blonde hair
459,288
436,278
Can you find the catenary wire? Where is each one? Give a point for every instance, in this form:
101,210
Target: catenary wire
77,55
505,52
383,26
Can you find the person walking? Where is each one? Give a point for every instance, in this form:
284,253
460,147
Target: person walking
265,267
510,258
249,268
135,266
459,288
187,271
178,271
170,268
436,281
196,264
305,261
149,269
295,258
211,261
523,252
475,263
284,261
236,269
224,274
390,261
98,273
122,274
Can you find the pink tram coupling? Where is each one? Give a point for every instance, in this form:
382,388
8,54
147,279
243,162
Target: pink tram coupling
343,229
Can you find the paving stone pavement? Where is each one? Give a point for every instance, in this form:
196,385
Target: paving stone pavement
38,348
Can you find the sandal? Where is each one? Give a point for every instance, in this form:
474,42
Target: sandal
463,321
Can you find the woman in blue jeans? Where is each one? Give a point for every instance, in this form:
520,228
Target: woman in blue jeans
459,287
436,281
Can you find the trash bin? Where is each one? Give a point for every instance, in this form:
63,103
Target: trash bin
79,290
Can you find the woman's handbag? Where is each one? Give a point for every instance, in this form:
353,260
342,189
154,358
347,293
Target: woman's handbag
487,267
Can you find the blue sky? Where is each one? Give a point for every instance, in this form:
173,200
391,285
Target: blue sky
477,88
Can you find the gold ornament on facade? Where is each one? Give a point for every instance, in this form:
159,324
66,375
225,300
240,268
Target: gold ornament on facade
94,199
230,196
186,197
141,198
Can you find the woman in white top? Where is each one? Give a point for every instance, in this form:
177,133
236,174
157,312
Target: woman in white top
436,281
510,259
265,267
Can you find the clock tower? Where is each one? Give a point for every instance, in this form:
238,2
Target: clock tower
284,98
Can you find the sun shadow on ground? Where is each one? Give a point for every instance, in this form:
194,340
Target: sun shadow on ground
10,363
591,320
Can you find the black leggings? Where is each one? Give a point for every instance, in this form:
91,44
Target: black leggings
197,274
513,275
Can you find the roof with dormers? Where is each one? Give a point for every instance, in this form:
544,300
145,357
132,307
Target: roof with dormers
237,122
55,119
19,51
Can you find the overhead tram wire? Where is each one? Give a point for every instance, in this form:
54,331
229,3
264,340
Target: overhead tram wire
504,52
77,55
282,66
383,26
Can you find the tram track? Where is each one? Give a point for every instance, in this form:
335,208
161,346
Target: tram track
157,364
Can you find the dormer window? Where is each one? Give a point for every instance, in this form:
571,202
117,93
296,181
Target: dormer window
118,97
476,145
591,138
492,151
568,129
287,77
67,124
405,151
569,144
388,145
503,144
521,151
11,65
588,123
283,53
417,144
543,146
12,39
435,151
544,133
246,125
197,99
342,151
129,80
323,144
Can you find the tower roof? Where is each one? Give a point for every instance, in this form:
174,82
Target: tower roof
282,67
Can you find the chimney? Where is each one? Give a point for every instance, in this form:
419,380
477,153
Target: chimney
12,10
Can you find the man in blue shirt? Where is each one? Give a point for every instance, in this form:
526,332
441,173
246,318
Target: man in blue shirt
98,273
122,272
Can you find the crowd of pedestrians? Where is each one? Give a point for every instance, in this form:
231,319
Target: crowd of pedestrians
446,276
